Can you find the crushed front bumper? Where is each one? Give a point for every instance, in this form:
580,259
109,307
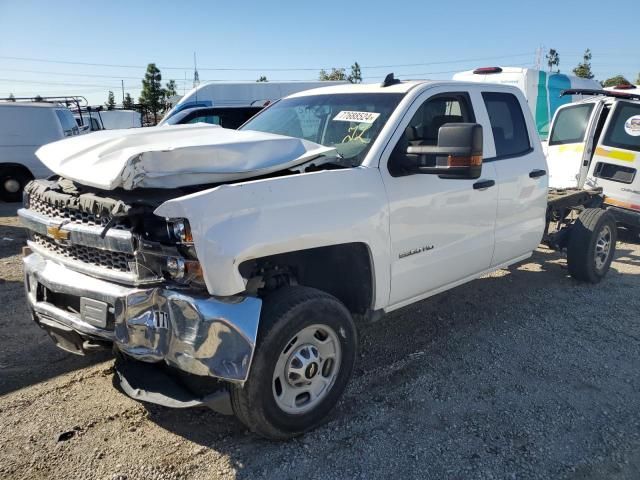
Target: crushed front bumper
197,334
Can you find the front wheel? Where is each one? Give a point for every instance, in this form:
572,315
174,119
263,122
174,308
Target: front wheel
304,358
592,245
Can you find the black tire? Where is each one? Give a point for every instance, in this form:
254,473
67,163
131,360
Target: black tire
285,313
13,176
582,246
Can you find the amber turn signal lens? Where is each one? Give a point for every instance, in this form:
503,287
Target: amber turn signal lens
465,161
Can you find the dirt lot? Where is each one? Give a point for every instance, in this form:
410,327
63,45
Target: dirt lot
522,374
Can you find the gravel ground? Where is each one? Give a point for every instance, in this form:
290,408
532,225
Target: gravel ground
522,374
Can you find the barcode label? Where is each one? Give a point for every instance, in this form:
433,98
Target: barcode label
356,117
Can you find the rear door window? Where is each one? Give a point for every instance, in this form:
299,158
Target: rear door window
624,127
571,124
68,123
510,134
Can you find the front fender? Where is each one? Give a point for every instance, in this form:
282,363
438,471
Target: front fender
238,222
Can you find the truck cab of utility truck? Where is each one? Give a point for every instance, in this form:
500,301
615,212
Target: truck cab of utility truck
245,257
596,143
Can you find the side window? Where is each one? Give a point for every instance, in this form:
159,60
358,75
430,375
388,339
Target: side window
624,128
508,126
570,124
424,127
212,119
68,123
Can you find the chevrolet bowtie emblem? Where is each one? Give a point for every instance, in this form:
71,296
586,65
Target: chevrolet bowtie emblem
54,232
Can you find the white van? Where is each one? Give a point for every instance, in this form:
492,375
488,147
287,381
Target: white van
596,143
241,94
541,89
25,127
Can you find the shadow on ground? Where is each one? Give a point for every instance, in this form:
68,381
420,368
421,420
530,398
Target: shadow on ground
448,334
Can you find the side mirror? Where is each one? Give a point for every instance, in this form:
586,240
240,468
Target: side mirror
457,155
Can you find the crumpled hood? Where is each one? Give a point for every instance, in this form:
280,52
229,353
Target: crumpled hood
176,156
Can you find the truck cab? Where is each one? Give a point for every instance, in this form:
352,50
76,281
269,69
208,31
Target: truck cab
596,143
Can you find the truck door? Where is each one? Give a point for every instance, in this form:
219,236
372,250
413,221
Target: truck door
442,230
570,144
617,157
522,178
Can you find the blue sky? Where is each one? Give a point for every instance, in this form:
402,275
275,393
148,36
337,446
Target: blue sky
438,37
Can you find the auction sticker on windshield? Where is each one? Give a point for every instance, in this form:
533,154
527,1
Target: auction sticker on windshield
631,126
358,117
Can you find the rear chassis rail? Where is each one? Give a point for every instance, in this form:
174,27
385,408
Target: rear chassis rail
561,203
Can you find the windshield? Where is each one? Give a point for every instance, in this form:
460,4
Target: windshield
348,122
570,124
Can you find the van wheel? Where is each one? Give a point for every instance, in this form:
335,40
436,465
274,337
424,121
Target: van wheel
12,182
592,245
304,358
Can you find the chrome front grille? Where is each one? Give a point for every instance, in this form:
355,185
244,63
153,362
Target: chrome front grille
39,205
115,261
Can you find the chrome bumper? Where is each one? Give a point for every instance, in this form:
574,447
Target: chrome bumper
198,334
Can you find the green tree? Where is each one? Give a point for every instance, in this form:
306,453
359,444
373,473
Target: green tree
553,60
583,70
127,102
152,95
356,75
262,79
12,97
615,81
171,88
111,101
638,79
335,74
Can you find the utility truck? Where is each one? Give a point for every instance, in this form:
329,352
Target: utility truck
229,268
595,143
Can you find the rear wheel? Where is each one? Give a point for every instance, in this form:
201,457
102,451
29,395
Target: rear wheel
12,182
592,245
303,361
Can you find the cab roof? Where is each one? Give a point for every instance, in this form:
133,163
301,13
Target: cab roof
400,87
31,104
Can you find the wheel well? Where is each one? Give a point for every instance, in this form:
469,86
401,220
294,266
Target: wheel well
344,271
16,166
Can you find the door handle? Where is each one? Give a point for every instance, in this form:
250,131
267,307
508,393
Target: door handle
537,173
483,184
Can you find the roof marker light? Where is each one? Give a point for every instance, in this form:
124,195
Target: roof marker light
487,70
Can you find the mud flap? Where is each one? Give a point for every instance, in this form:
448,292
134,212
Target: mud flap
148,382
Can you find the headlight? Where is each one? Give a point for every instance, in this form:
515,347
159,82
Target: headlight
181,231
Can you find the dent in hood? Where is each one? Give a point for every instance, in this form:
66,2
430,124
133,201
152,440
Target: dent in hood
176,156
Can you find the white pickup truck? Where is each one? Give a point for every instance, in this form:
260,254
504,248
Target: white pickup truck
229,268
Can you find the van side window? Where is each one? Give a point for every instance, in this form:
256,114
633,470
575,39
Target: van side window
570,124
509,128
624,128
68,123
424,126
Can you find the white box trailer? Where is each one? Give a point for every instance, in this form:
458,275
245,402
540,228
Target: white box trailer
241,94
541,89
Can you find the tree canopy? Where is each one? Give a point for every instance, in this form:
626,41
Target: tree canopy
111,101
553,60
262,78
583,70
334,74
615,81
128,101
152,95
356,75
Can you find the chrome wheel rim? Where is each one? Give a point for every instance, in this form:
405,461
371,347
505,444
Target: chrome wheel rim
12,185
306,369
603,247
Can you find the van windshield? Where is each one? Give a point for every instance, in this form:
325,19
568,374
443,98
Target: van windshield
349,122
624,129
570,124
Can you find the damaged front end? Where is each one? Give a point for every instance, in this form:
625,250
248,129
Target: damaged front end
102,271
